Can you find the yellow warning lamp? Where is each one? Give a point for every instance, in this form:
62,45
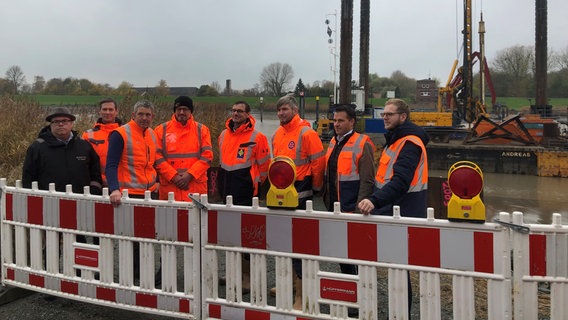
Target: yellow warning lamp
466,183
282,175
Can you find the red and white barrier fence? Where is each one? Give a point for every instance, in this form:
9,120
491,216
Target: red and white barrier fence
79,246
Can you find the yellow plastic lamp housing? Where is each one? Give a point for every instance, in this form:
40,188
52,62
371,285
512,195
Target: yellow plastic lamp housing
466,183
282,175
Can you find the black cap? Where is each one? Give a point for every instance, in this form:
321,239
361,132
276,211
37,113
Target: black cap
60,112
184,101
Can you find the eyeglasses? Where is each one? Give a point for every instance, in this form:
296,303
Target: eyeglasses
388,114
65,121
237,111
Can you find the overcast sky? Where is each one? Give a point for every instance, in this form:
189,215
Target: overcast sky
190,42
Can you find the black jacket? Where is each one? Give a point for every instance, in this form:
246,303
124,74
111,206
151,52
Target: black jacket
395,192
50,160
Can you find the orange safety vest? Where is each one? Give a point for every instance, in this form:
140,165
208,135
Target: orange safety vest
183,149
302,144
98,138
136,168
242,149
348,179
388,159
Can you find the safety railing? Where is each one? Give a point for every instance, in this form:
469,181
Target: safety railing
79,246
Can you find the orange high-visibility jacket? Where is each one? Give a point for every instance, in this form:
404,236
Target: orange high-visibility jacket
348,179
244,155
183,149
302,144
98,138
388,159
136,168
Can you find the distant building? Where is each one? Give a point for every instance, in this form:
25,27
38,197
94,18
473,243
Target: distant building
426,95
228,89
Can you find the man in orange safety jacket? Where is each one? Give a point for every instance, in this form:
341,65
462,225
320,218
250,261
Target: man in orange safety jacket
244,155
296,139
99,134
350,168
131,155
184,153
402,175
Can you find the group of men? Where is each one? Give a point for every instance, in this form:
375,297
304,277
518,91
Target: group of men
174,158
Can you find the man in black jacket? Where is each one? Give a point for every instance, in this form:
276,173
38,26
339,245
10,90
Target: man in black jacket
60,156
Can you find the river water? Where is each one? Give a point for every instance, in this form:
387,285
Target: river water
537,197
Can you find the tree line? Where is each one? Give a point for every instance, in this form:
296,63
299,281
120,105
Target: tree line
512,71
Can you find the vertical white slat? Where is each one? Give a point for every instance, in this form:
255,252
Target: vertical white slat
368,295
125,263
36,248
147,265
210,273
310,286
398,293
7,244
169,268
463,297
188,270
233,277
529,300
558,299
520,245
52,251
430,307
106,260
258,280
21,246
499,299
284,287
67,253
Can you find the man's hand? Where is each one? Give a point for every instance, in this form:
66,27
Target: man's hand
366,206
115,197
184,180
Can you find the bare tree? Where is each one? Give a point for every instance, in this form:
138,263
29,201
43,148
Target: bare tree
15,77
562,59
276,77
517,62
38,85
162,88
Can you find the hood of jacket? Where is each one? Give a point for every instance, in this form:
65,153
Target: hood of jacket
406,129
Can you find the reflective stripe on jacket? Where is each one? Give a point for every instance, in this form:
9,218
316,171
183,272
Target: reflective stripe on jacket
302,144
388,159
347,177
136,168
244,155
98,138
183,149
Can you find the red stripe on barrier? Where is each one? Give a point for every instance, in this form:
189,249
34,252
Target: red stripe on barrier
256,315
10,274
144,222
104,218
215,310
35,210
253,231
483,252
68,214
424,247
69,287
183,225
9,206
305,236
106,294
36,280
537,254
212,227
146,300
184,305
362,241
